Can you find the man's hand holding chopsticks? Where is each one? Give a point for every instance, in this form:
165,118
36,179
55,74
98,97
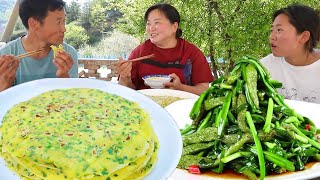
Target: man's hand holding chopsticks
8,69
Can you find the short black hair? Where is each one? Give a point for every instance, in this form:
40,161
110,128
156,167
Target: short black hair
169,11
303,18
38,9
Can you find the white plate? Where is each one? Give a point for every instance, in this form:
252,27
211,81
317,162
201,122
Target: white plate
165,127
168,92
181,115
180,110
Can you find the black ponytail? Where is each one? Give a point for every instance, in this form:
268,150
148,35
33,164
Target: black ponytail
179,33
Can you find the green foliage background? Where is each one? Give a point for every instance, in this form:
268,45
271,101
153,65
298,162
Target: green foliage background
222,29
226,29
76,35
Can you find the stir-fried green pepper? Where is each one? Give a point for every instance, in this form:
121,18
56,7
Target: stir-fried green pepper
267,125
213,102
242,114
194,148
242,123
224,113
258,145
251,81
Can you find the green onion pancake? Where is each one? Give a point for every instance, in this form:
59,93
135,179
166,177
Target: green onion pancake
78,134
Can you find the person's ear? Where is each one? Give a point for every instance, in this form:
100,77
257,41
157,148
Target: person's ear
33,23
175,26
304,37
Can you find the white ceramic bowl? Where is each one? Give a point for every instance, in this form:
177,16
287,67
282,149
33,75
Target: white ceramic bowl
156,81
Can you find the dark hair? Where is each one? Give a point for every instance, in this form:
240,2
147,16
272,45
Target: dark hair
303,18
169,11
38,9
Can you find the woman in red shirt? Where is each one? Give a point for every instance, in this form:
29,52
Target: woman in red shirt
174,56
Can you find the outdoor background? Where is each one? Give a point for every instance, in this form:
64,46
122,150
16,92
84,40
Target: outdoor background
223,29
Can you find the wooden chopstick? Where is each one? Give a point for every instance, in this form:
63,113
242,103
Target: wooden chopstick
29,53
140,58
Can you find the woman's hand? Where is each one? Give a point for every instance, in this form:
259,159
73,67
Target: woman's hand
175,83
124,70
64,63
8,69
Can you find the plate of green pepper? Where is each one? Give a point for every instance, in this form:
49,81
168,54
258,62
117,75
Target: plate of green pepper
180,110
241,128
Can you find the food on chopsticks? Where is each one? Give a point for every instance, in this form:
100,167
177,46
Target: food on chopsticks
242,123
56,49
78,134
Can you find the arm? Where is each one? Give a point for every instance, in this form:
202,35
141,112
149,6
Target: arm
197,89
176,84
201,74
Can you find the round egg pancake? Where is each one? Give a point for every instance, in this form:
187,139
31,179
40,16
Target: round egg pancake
143,171
77,134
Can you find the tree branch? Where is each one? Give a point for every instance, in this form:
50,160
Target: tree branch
215,6
237,9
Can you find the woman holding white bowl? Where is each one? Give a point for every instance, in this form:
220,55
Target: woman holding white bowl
174,56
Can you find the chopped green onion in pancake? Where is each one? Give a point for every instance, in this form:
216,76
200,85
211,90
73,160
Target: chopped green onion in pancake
77,133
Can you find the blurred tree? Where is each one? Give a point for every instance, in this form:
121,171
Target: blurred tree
85,15
113,43
73,11
98,17
132,21
223,29
76,35
5,10
19,30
